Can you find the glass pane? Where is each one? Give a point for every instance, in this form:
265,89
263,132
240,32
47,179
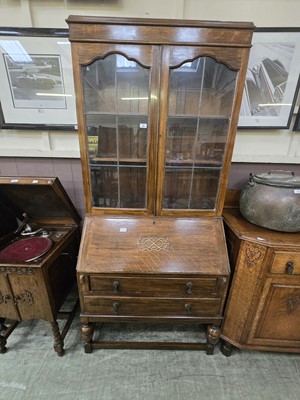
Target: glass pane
202,87
218,88
116,93
200,100
133,191
196,141
186,190
211,140
104,181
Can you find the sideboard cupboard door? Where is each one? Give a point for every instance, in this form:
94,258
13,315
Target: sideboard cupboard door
278,315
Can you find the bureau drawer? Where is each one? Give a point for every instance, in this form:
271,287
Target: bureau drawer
143,306
180,287
286,263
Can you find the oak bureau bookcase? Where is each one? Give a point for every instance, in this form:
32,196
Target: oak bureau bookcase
158,104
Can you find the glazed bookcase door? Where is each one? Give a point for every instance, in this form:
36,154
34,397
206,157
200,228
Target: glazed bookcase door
117,112
200,97
157,112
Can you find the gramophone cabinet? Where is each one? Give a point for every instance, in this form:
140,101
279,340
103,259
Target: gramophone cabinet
38,252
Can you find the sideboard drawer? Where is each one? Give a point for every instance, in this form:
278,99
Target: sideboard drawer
286,263
160,286
143,306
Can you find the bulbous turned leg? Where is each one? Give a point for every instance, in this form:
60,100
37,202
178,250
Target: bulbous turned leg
87,331
58,341
212,335
226,348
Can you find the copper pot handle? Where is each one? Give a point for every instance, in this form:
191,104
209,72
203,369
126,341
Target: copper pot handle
282,171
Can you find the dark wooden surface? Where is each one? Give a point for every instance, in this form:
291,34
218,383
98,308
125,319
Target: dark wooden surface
263,306
115,245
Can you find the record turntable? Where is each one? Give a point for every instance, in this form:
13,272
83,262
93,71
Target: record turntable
39,240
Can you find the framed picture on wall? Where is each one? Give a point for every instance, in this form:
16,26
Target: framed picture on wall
297,122
272,79
36,79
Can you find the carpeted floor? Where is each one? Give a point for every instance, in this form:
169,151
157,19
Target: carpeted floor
31,370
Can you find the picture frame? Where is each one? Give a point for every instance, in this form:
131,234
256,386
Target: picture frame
297,122
272,80
36,80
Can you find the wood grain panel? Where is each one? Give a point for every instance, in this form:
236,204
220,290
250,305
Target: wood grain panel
278,316
244,289
111,245
144,31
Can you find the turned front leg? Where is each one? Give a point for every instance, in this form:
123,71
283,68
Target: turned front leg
213,335
58,341
87,331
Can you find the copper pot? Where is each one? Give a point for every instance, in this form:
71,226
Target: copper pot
272,200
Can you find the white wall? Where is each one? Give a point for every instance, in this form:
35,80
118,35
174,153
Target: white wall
276,146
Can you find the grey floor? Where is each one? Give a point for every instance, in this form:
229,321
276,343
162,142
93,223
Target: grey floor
30,369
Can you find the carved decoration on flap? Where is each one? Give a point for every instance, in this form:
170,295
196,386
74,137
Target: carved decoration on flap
154,243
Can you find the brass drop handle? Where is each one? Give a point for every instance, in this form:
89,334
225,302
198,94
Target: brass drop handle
116,307
289,267
188,307
189,287
116,286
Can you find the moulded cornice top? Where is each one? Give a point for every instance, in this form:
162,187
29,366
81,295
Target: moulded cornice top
159,22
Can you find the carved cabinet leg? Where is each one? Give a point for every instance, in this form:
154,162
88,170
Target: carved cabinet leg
58,341
87,331
5,332
2,343
212,334
2,326
2,338
226,348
